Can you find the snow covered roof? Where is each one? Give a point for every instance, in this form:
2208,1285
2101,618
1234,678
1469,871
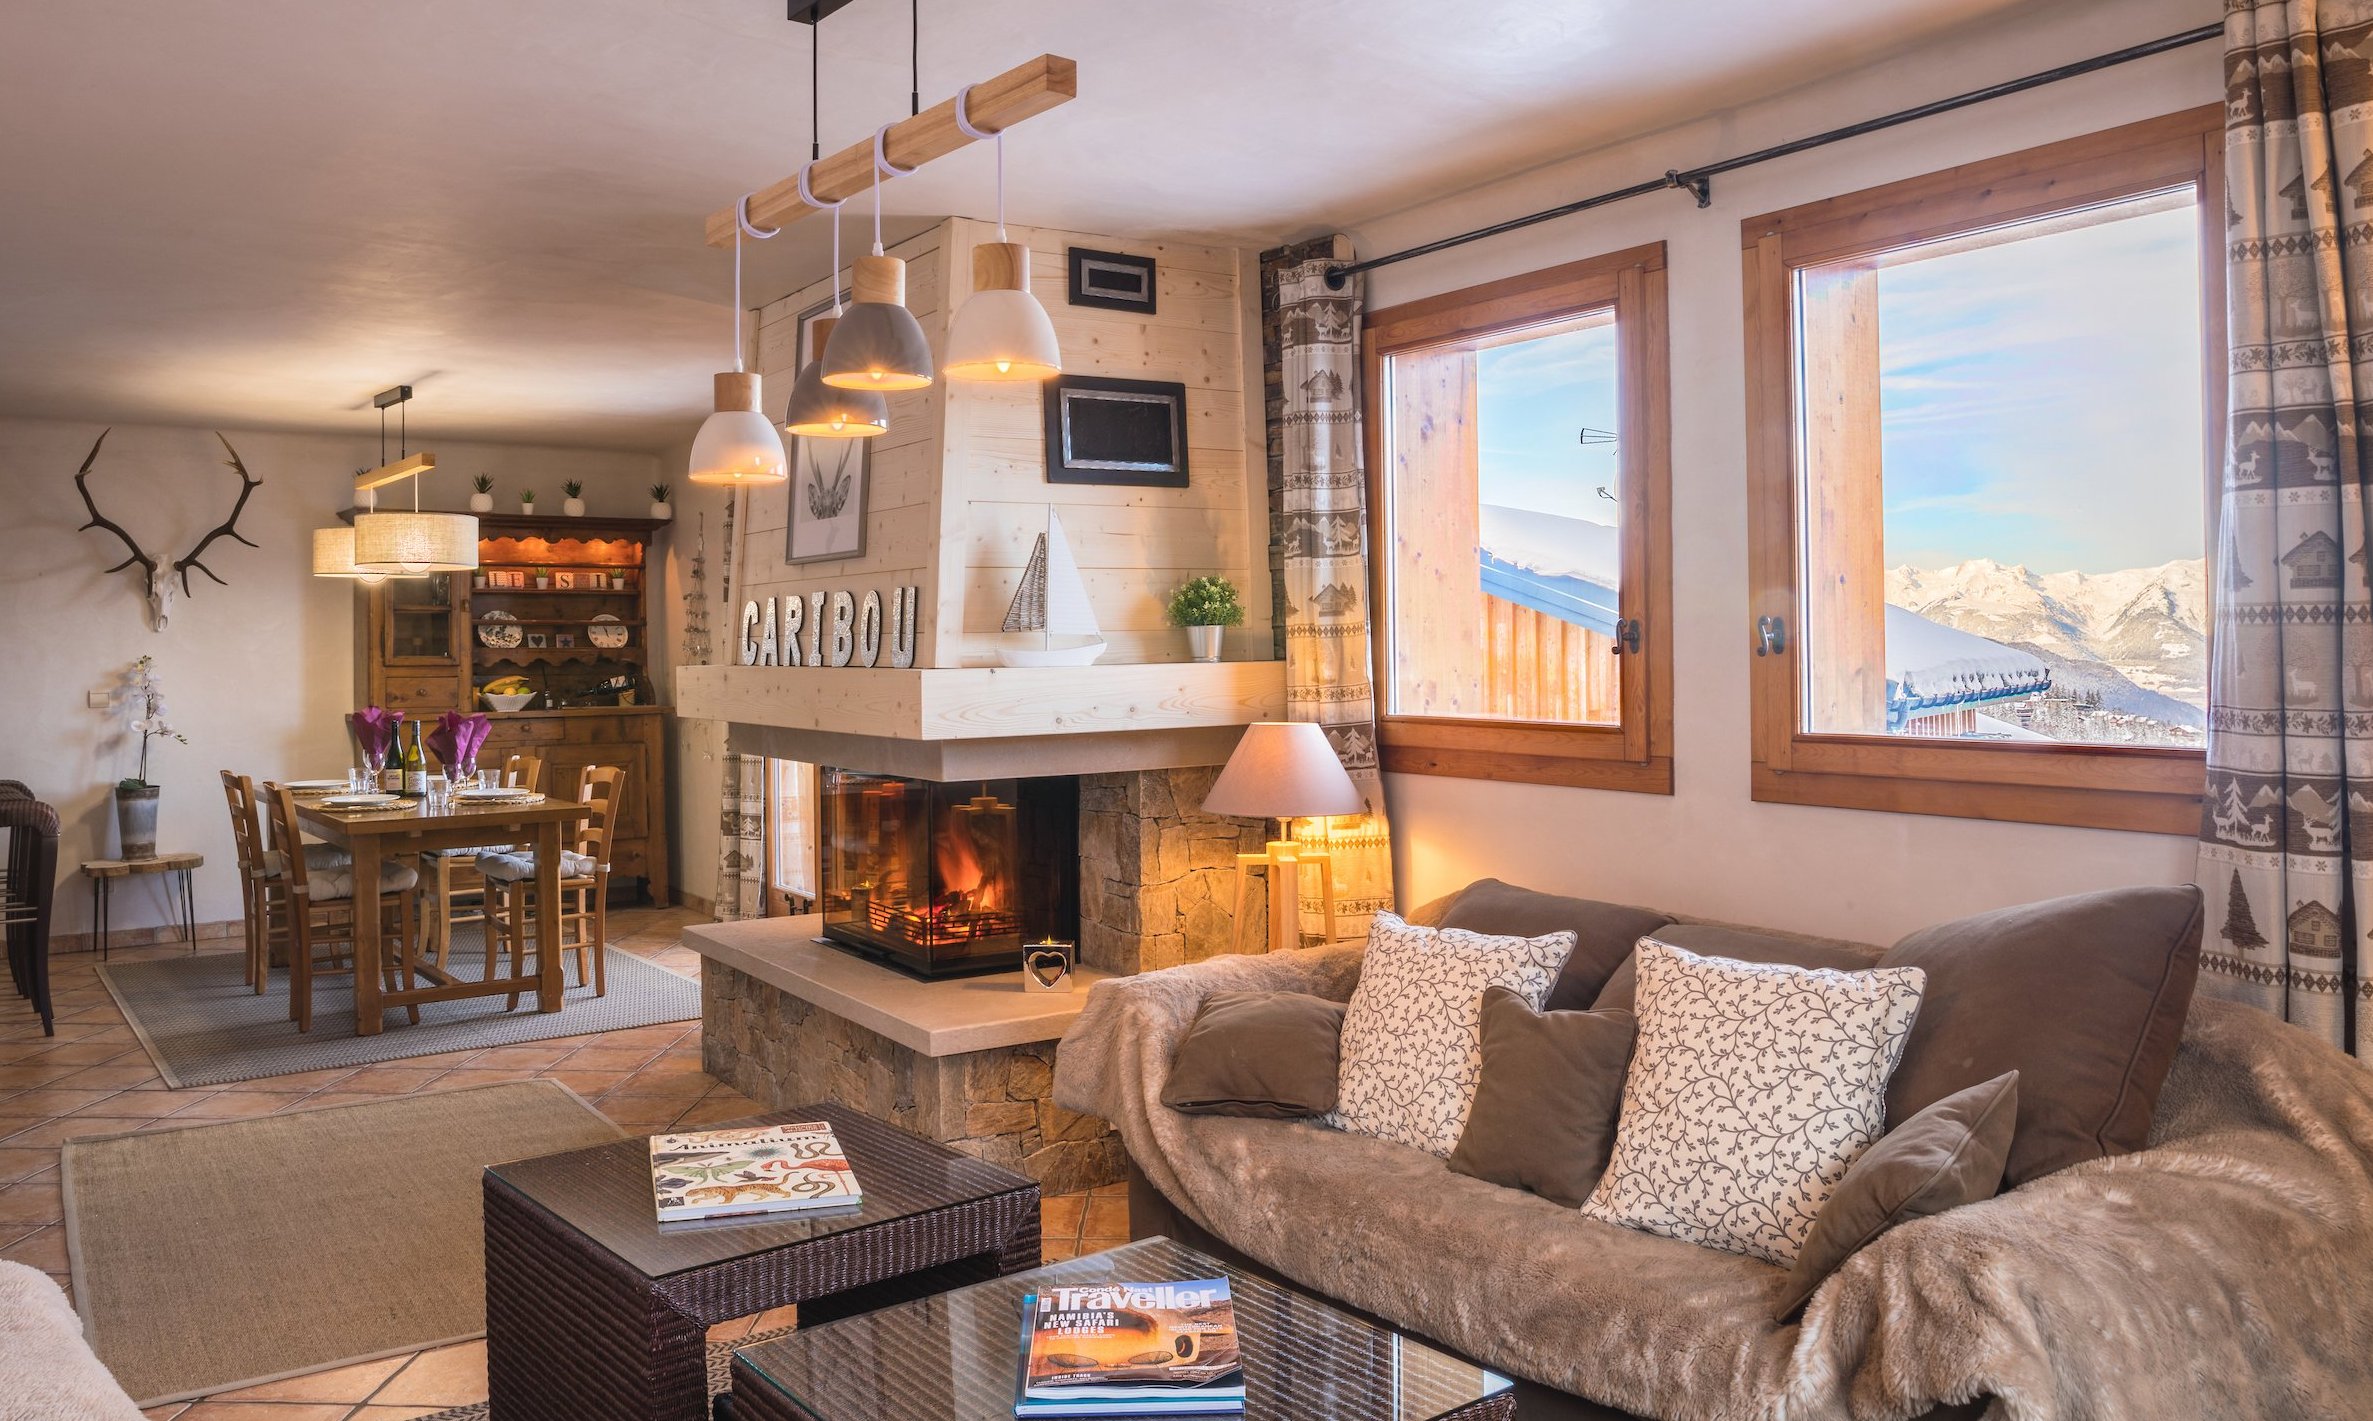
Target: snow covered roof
1567,568
1931,666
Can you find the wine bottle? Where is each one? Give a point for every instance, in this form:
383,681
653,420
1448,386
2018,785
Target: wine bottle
416,764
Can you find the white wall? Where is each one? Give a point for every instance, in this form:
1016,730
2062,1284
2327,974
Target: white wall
259,675
1709,849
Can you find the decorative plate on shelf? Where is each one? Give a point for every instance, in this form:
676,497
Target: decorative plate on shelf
606,632
499,630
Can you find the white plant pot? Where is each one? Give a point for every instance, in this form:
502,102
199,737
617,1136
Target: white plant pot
573,507
481,503
1203,642
526,509
663,511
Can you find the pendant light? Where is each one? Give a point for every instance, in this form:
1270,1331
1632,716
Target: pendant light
878,345
1000,332
738,445
410,544
333,555
816,409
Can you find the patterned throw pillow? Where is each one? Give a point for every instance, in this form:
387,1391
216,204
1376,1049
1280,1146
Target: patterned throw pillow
1752,1090
1412,1046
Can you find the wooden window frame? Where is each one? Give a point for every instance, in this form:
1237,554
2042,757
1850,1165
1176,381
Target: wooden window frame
1636,754
2150,789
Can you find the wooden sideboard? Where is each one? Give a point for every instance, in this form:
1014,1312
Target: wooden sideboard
418,650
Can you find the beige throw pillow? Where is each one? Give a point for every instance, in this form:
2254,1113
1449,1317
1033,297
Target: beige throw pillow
1753,1088
1412,1045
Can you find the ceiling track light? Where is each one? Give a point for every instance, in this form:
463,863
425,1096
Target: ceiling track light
737,445
1000,333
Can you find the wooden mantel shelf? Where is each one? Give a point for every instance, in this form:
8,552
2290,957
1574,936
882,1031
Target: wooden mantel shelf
986,702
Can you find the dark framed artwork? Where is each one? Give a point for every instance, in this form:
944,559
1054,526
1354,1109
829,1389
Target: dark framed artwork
1101,430
828,492
1114,280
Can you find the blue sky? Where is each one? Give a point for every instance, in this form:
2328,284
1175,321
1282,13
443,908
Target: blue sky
2041,399
1532,400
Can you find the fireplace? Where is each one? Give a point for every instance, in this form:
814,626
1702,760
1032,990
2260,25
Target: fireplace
946,879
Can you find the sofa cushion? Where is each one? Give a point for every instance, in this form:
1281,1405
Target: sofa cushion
1946,1156
1546,1105
1265,1054
2085,997
1413,1034
1603,932
1739,945
1754,1086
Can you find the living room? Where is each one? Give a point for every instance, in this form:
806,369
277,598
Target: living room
1515,703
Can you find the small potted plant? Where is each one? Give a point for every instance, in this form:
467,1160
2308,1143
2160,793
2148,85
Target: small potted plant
543,579
660,508
527,503
1205,606
482,495
136,797
571,503
618,580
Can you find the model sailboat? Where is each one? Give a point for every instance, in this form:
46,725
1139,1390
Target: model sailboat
1053,601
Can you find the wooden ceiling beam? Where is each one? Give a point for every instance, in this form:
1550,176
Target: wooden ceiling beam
996,105
397,472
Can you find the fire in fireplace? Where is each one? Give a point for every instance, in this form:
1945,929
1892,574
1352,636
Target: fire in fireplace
945,879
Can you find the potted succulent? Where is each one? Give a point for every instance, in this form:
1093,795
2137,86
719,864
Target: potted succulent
136,797
618,581
1205,606
482,496
543,579
571,503
527,502
660,508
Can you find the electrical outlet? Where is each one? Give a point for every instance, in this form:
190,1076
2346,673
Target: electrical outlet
99,700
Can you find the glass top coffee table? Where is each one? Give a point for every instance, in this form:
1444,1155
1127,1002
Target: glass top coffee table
954,1356
595,1311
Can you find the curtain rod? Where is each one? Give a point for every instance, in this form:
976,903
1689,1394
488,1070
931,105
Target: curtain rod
1700,181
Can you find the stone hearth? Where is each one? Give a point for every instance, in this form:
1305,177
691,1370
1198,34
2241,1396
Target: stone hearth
1157,876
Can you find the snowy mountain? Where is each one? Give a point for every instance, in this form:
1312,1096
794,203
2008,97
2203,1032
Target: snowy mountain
2140,637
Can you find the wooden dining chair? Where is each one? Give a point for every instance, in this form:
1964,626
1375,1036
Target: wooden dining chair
583,914
263,880
321,912
452,874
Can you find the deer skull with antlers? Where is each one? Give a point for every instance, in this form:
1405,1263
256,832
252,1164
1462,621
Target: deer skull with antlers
157,579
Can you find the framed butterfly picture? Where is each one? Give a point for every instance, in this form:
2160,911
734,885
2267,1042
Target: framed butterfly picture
828,489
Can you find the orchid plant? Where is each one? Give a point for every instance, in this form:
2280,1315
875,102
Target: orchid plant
147,699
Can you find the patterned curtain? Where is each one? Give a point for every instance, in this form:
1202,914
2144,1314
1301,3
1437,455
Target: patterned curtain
2287,835
741,852
1320,531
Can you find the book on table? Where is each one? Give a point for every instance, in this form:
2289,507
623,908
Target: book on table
1130,1349
763,1169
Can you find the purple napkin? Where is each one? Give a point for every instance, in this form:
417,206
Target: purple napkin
374,730
456,741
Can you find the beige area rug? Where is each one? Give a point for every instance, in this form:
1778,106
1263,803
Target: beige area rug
229,1254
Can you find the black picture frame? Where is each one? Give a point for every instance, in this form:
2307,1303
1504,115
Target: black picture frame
1115,281
1102,430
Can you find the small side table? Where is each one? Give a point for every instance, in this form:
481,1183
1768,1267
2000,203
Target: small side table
104,872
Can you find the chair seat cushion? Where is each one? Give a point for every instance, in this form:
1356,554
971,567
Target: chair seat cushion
318,857
518,868
331,884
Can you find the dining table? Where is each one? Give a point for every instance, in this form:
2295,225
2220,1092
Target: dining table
375,836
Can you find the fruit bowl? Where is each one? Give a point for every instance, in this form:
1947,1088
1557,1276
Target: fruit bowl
511,702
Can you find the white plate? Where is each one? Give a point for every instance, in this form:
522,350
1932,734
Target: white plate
313,784
361,801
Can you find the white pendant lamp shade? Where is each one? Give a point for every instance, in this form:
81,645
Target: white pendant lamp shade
333,555
738,445
412,543
1001,332
878,345
819,411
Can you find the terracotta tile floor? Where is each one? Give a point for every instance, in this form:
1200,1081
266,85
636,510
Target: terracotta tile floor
93,1078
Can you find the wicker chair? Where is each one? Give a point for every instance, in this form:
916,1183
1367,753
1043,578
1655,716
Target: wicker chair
27,893
321,912
584,910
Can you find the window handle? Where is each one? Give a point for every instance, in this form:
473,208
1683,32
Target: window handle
1771,636
1627,636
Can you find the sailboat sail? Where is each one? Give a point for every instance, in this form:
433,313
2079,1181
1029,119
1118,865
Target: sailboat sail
1067,610
1053,601
1028,610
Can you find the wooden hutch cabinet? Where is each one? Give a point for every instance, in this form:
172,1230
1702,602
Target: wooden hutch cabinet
544,589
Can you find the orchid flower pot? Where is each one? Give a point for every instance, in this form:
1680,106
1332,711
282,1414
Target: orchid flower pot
136,819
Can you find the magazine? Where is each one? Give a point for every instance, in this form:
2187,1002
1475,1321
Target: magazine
761,1170
1130,1349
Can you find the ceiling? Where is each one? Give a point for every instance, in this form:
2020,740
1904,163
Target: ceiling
257,212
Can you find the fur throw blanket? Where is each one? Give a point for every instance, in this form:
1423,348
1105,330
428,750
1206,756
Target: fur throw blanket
47,1372
2225,1273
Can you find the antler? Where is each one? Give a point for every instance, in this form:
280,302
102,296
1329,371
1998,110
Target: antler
227,528
147,564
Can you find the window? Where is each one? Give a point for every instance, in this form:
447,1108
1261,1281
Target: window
790,838
1518,495
1982,410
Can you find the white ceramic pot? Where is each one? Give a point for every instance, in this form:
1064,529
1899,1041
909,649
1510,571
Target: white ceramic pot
527,508
573,507
663,511
1203,642
481,503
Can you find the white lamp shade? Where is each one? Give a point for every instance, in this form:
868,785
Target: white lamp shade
408,544
1283,770
1002,335
820,411
333,555
738,447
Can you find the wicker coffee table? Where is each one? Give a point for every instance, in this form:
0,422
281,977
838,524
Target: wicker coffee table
953,1356
595,1310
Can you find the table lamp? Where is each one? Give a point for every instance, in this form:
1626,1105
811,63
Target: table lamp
1284,770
